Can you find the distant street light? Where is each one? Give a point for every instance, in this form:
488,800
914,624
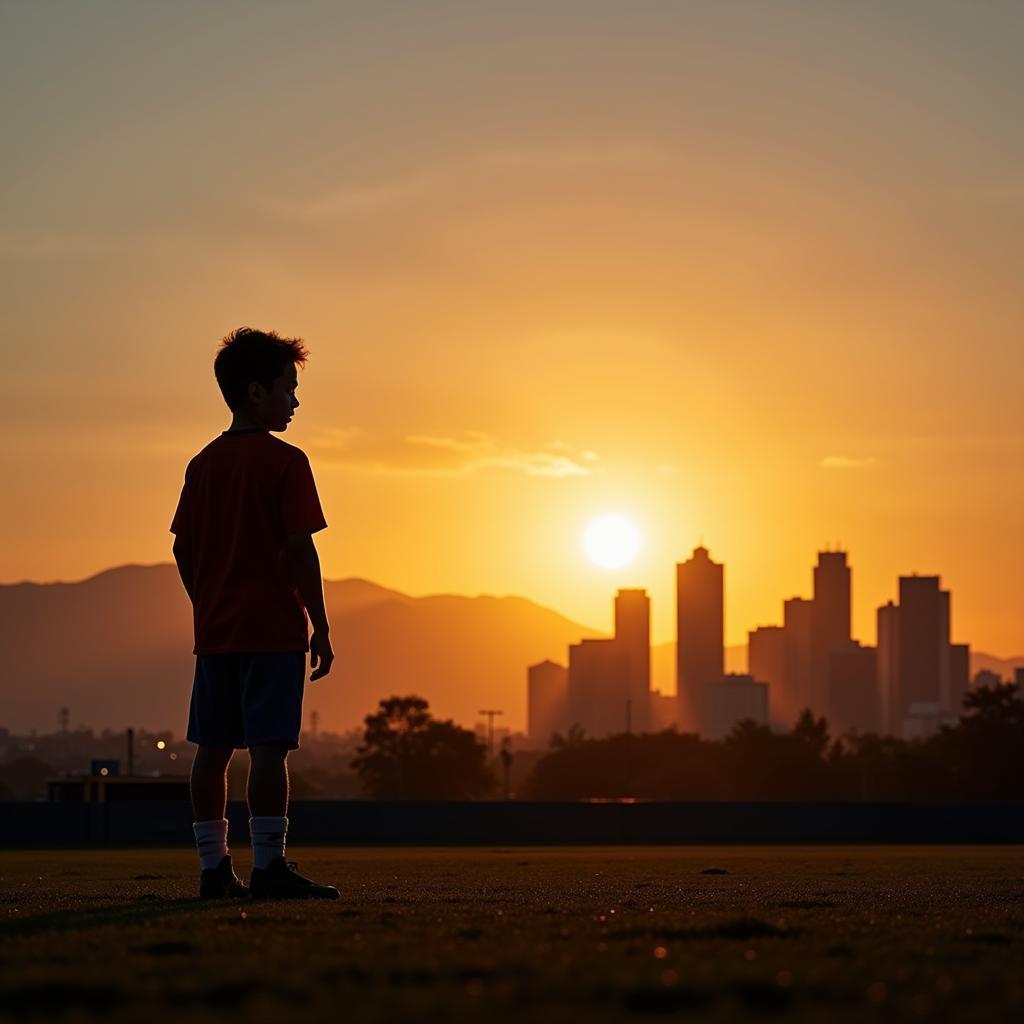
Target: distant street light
490,713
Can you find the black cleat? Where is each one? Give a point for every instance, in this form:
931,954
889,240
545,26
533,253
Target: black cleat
280,880
221,882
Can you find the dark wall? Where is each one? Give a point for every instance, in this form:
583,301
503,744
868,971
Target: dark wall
368,823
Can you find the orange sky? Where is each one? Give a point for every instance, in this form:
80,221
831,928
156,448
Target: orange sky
745,272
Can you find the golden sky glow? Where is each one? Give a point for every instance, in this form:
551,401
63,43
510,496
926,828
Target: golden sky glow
744,272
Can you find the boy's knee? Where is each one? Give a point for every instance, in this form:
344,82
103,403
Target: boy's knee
214,755
269,752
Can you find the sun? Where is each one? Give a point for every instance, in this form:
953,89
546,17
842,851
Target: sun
611,541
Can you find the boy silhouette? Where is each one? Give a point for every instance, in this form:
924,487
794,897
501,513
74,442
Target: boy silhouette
244,548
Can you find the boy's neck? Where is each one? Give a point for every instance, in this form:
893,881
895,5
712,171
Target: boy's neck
239,421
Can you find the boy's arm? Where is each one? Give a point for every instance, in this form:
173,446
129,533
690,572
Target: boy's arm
183,556
305,568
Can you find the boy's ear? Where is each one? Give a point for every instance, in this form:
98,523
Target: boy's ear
256,391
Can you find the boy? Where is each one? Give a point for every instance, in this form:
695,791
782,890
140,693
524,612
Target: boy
245,553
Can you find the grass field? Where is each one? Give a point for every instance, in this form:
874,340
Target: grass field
535,934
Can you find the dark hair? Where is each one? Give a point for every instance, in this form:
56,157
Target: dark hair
246,355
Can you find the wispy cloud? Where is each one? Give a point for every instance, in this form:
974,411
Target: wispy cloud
353,199
432,455
847,462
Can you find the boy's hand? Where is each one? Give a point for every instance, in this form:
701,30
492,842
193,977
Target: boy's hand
320,650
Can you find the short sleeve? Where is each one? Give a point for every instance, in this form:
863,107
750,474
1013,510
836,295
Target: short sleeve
300,504
180,522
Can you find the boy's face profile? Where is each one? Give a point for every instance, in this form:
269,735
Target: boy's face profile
274,408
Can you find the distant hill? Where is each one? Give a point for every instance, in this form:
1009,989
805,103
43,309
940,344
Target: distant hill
116,649
1004,667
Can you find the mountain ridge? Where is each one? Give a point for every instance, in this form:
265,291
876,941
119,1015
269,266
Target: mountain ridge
119,644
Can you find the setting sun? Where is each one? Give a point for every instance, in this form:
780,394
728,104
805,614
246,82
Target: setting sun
611,541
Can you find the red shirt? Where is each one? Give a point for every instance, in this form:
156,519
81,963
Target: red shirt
243,494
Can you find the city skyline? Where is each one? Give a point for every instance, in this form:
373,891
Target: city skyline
389,638
908,684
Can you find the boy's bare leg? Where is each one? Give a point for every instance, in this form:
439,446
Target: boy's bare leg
272,876
268,781
208,783
268,804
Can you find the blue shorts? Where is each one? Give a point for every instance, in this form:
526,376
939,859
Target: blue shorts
245,700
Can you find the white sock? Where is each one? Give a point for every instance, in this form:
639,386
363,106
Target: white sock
268,836
212,840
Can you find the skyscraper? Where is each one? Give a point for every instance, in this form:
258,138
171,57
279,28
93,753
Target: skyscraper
731,699
797,624
766,660
959,676
633,634
945,655
887,667
599,674
547,701
923,657
830,621
700,633
853,689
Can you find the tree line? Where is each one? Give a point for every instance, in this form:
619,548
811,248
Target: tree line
407,754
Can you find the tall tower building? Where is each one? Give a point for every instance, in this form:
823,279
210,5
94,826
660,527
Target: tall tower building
797,625
853,689
547,701
945,655
633,634
599,673
959,676
923,659
734,698
888,667
830,620
700,633
766,659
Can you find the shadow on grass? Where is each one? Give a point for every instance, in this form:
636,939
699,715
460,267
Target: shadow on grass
140,911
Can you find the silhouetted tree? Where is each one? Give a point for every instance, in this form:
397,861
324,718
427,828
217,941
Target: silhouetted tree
664,765
574,737
407,754
811,731
985,749
872,767
980,758
767,765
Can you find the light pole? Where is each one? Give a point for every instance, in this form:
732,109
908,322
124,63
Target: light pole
490,713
